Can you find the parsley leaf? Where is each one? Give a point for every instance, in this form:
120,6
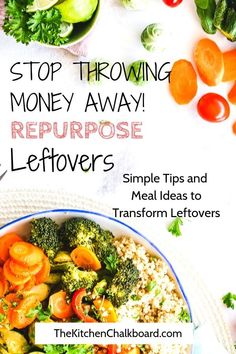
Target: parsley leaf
229,300
184,316
174,227
151,286
45,27
2,317
111,262
41,314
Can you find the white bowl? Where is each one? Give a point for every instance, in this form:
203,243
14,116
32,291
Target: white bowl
117,227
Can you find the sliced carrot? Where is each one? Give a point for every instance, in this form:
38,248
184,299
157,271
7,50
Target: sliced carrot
183,82
6,242
85,258
30,283
21,269
232,94
209,61
14,278
4,284
44,272
106,310
12,300
26,253
22,315
59,306
229,65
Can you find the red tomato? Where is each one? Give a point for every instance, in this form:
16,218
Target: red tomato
213,108
77,305
172,3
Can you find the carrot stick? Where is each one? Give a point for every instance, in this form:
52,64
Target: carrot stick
229,65
232,94
183,82
209,61
6,242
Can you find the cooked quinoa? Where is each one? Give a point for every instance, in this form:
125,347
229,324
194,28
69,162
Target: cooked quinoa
155,298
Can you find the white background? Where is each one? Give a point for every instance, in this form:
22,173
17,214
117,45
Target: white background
175,140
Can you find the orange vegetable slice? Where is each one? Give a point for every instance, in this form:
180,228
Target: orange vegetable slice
59,306
6,242
183,82
26,254
14,278
85,258
44,272
21,269
4,286
232,94
229,65
106,310
127,349
21,315
209,61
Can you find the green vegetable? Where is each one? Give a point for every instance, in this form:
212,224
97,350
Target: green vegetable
184,316
136,72
174,227
105,250
225,18
42,315
53,278
44,234
123,283
134,4
74,279
62,256
99,289
229,300
135,297
42,26
151,285
68,349
79,232
150,35
206,12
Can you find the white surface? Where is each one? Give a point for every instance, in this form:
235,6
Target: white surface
176,139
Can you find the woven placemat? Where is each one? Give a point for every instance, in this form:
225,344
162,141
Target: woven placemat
206,309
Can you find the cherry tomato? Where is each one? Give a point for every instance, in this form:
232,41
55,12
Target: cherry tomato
172,3
213,108
112,349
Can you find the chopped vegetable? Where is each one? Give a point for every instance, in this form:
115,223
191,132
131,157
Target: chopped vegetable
62,256
24,270
209,61
112,349
105,310
213,108
234,128
44,272
74,279
225,18
229,300
174,227
123,283
15,342
229,65
232,94
85,258
6,242
151,285
150,35
184,316
26,254
44,234
127,349
59,306
14,278
41,291
183,82
206,12
19,313
77,306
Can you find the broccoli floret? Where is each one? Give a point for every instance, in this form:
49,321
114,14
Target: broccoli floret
122,284
106,251
79,232
74,279
44,234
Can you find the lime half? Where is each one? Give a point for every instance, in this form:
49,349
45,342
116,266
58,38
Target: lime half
41,5
66,29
